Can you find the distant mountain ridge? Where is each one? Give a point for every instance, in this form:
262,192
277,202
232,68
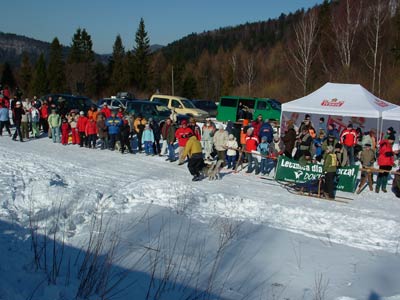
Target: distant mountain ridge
13,45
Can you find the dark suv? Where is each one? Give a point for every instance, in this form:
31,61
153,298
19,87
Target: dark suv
207,105
65,103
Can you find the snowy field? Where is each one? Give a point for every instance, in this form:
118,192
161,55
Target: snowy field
101,225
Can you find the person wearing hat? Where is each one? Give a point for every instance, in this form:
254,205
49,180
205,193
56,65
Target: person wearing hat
18,112
182,135
148,140
349,139
194,152
390,131
54,124
4,119
329,170
266,130
304,142
306,158
195,128
139,125
369,138
220,139
106,110
385,162
256,124
93,112
367,159
81,127
113,124
231,152
157,136
125,132
208,131
251,146
263,148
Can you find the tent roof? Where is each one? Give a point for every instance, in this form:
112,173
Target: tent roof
340,99
392,114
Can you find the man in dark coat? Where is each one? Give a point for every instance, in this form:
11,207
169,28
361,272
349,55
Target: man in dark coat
18,111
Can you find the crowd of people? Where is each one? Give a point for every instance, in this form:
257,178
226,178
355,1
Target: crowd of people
256,143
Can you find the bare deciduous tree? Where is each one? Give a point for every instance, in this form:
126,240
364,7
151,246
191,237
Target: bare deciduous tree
302,52
345,26
249,73
378,13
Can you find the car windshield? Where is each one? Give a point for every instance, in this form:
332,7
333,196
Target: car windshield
187,103
275,104
163,110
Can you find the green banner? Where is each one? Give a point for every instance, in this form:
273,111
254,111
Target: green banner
290,170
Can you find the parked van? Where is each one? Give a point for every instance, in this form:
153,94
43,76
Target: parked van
235,108
181,105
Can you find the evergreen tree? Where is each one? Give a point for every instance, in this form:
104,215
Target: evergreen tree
39,84
396,35
80,68
56,69
7,76
25,73
119,77
81,48
142,56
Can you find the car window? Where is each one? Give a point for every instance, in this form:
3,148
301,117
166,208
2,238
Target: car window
228,102
148,109
262,105
162,100
175,103
275,104
187,103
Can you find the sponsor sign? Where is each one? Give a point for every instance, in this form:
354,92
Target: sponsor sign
290,170
333,102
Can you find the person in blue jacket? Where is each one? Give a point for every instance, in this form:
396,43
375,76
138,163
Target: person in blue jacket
113,124
4,119
266,130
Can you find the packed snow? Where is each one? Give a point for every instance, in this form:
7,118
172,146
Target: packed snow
166,237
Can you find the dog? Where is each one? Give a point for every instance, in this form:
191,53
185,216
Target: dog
212,170
118,146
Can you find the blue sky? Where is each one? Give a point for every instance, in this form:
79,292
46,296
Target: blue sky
165,21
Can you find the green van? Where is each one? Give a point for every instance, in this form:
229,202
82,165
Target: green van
235,108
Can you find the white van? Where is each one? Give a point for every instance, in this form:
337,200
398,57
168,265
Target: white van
181,105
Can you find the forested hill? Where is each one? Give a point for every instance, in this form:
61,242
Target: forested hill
253,36
12,46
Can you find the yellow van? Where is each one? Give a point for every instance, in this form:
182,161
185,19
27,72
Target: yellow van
181,105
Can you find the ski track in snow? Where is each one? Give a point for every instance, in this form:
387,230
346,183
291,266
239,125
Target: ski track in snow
32,180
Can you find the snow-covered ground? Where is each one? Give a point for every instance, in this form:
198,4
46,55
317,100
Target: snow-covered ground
166,237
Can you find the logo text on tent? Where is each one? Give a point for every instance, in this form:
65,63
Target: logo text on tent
334,102
380,103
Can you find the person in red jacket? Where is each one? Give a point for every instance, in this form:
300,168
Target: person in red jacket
44,114
349,139
65,129
91,133
251,145
106,111
256,124
81,126
385,162
182,134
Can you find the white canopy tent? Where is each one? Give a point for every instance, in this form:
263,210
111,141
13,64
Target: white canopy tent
343,103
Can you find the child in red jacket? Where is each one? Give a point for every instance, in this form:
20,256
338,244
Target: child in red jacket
65,129
91,133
